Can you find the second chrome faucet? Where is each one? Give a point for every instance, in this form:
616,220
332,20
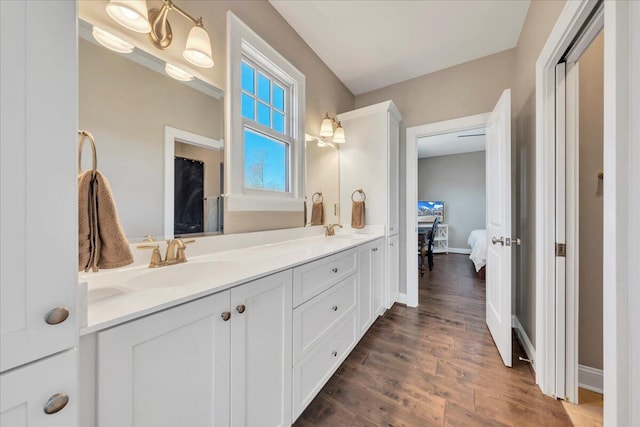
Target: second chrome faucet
175,252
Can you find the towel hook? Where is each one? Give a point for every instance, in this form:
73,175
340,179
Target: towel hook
362,193
319,194
84,135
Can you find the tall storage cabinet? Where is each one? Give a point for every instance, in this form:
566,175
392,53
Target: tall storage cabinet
38,217
369,160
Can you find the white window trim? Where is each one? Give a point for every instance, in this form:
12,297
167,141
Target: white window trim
242,40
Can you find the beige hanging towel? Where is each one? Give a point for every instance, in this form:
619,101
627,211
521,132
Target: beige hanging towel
357,210
317,209
102,242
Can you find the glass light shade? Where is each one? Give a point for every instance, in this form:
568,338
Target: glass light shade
322,144
131,14
178,73
326,128
338,136
110,41
198,49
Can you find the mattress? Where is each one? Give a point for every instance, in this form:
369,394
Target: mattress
478,244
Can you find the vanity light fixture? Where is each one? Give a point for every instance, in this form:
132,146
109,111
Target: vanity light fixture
110,41
178,73
132,14
327,131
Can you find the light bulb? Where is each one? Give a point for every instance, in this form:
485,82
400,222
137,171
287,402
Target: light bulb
198,48
131,14
338,136
326,128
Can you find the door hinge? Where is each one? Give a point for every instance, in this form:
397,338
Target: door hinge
561,249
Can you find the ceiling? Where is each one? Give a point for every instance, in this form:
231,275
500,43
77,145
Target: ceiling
373,44
451,143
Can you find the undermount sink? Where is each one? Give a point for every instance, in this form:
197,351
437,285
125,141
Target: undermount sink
178,275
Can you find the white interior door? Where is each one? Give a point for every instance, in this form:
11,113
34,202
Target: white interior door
498,277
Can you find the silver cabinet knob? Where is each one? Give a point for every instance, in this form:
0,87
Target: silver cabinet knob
334,308
226,315
334,353
56,403
335,269
241,308
56,315
496,240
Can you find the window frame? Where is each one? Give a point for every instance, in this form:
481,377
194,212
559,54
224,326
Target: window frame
243,44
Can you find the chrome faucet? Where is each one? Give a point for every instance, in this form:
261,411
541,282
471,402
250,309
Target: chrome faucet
175,252
329,230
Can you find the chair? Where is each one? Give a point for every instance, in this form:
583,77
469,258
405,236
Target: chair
432,236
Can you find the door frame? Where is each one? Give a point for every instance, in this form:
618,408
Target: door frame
411,185
621,98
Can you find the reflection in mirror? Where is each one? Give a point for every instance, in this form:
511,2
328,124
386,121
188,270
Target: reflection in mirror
193,184
322,176
126,105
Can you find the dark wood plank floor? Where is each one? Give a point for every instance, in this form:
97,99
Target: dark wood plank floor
435,365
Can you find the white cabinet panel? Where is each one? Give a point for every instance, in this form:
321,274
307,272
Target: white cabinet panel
365,291
394,176
167,369
393,269
313,319
38,213
261,347
24,393
378,277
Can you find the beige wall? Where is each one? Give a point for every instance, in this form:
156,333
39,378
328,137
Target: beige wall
591,122
459,181
538,24
324,91
115,99
467,89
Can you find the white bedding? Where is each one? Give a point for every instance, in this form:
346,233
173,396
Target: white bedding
478,243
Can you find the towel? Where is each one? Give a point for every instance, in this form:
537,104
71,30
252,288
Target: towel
317,213
102,243
357,214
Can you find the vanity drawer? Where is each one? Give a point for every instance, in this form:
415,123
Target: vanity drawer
311,279
313,319
316,368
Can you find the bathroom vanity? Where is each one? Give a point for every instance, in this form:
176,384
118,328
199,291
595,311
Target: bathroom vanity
225,342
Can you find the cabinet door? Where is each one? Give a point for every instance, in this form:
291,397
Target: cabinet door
378,277
394,176
393,269
167,369
26,392
365,291
38,202
261,352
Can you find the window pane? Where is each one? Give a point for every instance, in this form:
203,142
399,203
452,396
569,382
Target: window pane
265,162
248,78
248,107
278,122
264,114
278,97
264,88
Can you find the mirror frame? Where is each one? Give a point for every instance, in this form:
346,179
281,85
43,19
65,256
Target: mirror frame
171,135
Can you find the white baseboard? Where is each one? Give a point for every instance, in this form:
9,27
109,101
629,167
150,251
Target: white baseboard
402,298
590,378
460,251
529,349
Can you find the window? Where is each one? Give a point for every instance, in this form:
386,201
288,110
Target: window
265,149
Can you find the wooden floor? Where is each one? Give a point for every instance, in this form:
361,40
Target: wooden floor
435,365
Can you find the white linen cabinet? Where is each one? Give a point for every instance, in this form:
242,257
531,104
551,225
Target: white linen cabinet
38,225
369,160
221,360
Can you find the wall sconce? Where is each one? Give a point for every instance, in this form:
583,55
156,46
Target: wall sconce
133,14
327,131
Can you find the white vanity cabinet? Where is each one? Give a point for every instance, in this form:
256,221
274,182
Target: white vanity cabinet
221,360
370,284
393,269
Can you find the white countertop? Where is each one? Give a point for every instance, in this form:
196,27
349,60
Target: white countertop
117,296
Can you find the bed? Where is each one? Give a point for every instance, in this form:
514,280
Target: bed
478,244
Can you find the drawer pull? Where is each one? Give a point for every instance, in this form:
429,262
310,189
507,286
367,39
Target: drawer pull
56,315
56,403
334,353
334,308
241,308
226,315
335,269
